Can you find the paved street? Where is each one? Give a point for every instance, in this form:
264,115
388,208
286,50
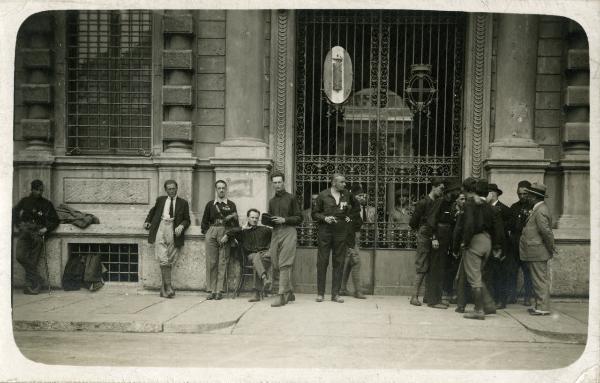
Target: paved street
129,328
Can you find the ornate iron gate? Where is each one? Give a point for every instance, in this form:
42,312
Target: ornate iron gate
401,125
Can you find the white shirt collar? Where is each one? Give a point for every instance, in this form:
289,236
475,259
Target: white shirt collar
495,202
217,200
537,204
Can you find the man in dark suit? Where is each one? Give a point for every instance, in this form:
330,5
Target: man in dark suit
167,221
519,213
497,273
536,247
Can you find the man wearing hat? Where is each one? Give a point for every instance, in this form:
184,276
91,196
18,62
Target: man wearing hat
441,221
477,233
536,247
519,213
352,261
497,273
34,217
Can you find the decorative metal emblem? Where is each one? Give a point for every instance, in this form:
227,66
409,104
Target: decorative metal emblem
420,88
337,77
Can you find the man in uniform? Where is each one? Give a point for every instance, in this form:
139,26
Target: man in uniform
167,221
332,212
34,217
519,213
537,247
255,240
219,215
352,261
284,216
418,222
441,221
499,270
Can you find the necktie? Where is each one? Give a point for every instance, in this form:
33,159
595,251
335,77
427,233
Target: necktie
171,208
364,214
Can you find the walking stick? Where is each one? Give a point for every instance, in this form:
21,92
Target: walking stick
46,263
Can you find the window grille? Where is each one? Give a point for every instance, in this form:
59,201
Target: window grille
120,260
109,82
376,138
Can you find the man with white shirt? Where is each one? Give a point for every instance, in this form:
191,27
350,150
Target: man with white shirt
167,222
219,215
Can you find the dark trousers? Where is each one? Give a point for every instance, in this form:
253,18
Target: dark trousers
437,266
29,249
499,278
331,240
463,293
513,272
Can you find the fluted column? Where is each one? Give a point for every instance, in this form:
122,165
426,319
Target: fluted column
514,155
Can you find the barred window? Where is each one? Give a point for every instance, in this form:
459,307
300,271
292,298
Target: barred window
109,89
120,260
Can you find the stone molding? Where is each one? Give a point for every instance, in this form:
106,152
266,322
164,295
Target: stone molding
477,93
282,91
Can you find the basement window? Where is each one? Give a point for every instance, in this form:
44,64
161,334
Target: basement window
121,260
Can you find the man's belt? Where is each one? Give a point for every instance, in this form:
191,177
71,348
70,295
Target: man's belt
218,222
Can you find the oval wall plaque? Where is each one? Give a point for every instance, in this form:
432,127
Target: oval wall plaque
337,75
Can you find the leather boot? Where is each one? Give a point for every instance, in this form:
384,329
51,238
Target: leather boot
356,281
166,274
256,297
414,300
279,301
478,298
489,306
163,292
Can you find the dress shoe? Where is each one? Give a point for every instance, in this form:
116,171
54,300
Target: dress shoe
95,286
210,296
319,298
489,311
527,302
537,312
31,291
500,306
474,315
279,301
256,297
452,300
438,306
290,297
415,301
460,309
344,292
219,296
337,298
359,295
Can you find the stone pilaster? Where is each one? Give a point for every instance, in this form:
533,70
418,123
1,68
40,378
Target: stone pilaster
177,92
514,155
243,159
575,161
35,56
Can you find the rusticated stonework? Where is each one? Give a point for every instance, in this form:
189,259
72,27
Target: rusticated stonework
107,190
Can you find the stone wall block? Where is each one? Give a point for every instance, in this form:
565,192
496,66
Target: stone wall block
177,94
211,15
211,64
576,132
37,58
177,59
548,65
211,47
177,130
211,29
578,59
577,95
547,118
178,23
211,81
210,99
547,100
40,23
548,83
550,47
36,93
36,129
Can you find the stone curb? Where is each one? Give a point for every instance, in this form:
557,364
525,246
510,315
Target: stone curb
105,326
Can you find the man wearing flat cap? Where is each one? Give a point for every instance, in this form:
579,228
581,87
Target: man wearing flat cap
536,247
498,271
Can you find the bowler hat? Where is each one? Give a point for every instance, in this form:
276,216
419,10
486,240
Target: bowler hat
494,188
537,189
481,187
453,186
356,189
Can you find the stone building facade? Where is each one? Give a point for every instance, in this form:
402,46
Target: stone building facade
110,104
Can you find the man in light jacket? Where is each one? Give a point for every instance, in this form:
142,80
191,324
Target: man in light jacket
536,247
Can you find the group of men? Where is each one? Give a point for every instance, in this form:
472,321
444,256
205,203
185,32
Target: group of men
465,236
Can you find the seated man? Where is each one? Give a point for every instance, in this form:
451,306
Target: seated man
255,240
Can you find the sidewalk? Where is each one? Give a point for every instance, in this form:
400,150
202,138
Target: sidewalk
118,309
